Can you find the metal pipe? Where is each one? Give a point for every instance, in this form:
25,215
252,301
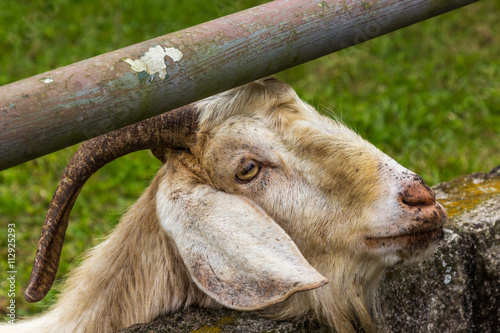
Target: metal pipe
59,108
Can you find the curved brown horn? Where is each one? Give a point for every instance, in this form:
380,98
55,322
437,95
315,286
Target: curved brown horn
172,129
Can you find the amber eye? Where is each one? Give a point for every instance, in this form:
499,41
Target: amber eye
248,171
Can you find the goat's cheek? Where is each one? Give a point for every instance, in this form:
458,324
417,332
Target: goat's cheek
261,189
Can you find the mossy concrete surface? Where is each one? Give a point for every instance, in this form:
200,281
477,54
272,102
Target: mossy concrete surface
458,288
220,321
455,290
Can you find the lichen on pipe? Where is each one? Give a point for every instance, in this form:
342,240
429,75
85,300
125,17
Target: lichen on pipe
62,107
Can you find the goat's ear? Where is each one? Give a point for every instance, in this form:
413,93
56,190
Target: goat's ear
233,250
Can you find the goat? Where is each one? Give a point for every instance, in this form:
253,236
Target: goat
261,204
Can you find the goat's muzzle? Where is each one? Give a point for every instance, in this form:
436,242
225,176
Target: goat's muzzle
424,219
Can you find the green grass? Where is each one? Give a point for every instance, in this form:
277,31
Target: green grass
428,95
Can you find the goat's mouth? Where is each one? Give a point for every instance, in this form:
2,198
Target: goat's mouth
417,239
419,228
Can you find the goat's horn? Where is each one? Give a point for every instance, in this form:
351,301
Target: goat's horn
172,129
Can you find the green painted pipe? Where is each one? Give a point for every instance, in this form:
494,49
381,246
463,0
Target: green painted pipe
62,107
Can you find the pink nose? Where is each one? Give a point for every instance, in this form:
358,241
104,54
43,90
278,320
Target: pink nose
417,193
419,202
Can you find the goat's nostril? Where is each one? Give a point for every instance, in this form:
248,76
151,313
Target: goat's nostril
417,194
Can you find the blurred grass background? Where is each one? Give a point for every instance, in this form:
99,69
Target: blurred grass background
428,95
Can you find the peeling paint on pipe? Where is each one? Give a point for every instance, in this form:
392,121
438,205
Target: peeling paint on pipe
59,108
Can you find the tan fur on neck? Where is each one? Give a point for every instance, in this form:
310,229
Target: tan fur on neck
133,276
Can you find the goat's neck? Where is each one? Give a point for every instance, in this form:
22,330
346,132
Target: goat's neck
133,276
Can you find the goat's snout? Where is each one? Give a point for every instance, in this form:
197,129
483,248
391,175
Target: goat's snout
419,224
418,200
416,193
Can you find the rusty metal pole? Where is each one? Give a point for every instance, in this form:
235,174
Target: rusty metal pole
59,108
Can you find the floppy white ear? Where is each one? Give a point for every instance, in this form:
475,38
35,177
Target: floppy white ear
233,250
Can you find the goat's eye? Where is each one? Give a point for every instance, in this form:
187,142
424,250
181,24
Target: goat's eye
248,171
